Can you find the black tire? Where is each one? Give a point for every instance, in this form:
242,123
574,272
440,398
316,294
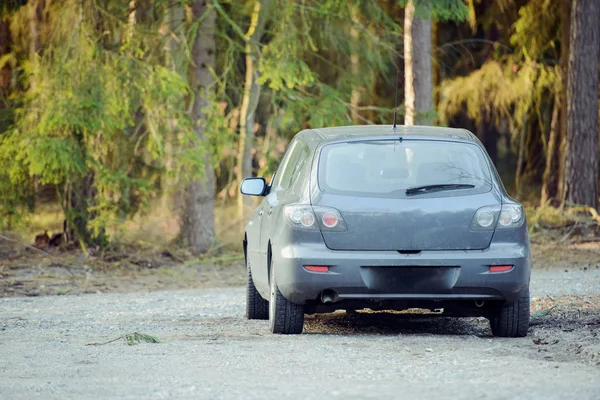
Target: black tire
256,306
284,316
512,320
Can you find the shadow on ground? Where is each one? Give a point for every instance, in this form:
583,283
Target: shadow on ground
390,323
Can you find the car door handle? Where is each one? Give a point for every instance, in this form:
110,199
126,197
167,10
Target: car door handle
270,211
260,213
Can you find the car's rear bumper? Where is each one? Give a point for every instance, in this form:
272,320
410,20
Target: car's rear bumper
389,275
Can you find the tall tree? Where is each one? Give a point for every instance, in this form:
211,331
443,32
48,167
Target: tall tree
174,23
5,71
197,215
581,169
553,178
251,95
418,76
418,56
354,67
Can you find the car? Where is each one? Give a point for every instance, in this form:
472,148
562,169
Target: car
386,218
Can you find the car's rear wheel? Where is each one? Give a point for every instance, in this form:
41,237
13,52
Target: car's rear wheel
512,320
256,306
284,316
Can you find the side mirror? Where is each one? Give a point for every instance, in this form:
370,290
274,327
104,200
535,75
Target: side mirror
253,186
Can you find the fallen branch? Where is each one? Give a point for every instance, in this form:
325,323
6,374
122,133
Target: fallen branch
588,240
131,339
26,245
58,263
102,344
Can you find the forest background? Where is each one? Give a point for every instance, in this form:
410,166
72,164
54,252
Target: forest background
129,124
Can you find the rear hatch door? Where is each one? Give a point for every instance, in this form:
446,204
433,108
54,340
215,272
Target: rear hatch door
441,223
367,182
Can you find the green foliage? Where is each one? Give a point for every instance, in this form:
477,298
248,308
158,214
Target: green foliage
449,10
280,69
322,103
498,91
535,32
103,99
539,314
131,339
509,87
306,61
137,338
98,102
8,6
491,90
442,10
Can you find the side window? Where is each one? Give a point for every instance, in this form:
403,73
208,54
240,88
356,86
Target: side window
298,156
301,153
283,166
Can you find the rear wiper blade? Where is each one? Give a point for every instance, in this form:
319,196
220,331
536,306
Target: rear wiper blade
436,188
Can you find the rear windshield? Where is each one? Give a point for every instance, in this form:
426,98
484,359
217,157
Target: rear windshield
386,168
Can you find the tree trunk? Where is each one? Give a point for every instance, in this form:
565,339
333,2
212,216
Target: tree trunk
581,168
550,178
5,71
436,79
197,215
418,80
553,178
523,140
250,99
172,198
487,132
81,198
34,39
565,40
34,30
409,89
354,66
131,20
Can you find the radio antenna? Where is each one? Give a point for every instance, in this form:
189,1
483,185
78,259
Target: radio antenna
396,100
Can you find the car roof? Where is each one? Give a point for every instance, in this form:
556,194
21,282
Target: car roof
357,132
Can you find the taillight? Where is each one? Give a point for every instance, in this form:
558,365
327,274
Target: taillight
301,216
307,217
490,217
511,216
485,218
329,219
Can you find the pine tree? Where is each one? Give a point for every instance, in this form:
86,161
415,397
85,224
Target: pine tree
418,57
197,215
581,172
251,95
418,78
92,113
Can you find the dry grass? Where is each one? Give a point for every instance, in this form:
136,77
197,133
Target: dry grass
148,238
555,232
48,217
572,224
159,230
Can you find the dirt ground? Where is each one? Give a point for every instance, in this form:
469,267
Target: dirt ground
64,320
26,272
75,346
566,280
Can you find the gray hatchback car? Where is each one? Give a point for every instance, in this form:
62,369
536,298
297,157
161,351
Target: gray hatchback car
388,219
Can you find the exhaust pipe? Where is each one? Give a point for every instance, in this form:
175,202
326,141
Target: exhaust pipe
328,296
479,303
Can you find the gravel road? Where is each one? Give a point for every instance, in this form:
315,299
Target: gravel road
209,351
